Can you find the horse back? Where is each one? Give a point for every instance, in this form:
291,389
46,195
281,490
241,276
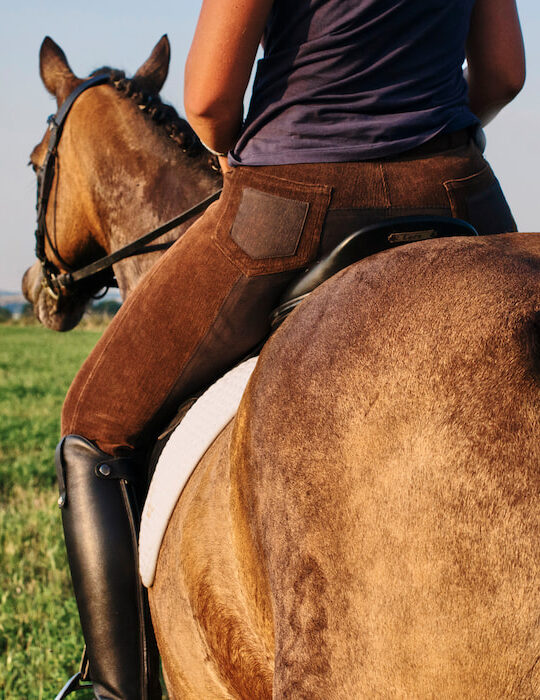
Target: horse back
367,526
388,450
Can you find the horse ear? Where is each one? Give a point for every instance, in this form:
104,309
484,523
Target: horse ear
54,69
152,74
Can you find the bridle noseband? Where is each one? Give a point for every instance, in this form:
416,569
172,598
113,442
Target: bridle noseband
54,280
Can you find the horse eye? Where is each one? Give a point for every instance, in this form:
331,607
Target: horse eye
33,166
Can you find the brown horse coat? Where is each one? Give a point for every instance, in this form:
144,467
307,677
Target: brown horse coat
368,525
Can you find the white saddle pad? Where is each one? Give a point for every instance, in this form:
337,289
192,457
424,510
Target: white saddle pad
186,446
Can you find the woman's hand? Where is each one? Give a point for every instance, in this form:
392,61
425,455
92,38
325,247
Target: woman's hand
219,66
495,57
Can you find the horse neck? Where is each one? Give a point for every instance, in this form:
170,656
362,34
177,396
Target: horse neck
139,179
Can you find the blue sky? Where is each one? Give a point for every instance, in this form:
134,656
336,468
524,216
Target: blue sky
122,34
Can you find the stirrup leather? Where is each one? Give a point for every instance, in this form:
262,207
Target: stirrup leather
78,681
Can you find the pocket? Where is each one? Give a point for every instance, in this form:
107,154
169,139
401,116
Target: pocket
479,200
269,224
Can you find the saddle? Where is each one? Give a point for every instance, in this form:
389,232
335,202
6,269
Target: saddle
201,418
361,244
367,241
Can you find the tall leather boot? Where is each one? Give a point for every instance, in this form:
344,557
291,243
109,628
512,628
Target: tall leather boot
101,499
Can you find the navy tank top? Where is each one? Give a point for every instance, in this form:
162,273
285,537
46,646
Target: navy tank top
349,80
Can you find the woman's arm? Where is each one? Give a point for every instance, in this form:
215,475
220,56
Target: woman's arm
219,65
495,57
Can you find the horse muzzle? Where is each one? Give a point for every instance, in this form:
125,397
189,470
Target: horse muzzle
55,311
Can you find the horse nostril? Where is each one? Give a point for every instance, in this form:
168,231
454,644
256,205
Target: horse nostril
25,285
30,283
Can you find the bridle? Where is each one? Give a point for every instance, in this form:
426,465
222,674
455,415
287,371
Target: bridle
55,281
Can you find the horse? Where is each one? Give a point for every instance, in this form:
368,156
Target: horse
367,523
131,163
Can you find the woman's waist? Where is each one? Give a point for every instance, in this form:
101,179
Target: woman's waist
388,182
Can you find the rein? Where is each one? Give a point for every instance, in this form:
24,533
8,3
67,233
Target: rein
68,280
54,280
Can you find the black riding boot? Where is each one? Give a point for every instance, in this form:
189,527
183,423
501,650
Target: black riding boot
101,499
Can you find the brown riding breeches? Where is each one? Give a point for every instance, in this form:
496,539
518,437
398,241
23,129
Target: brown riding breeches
206,302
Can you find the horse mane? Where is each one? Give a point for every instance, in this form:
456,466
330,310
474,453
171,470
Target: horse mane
161,113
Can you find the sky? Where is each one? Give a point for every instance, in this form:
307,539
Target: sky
122,34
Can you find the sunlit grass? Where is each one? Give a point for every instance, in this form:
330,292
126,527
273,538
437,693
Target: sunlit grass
40,640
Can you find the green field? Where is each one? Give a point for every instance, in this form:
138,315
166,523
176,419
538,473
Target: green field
40,641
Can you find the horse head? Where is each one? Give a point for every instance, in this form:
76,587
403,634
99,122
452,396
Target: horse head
106,167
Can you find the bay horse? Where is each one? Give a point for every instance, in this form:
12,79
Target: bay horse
367,525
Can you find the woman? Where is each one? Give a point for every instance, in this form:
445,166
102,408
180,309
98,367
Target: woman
360,111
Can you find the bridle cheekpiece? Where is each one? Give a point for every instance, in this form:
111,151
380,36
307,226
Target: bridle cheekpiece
52,276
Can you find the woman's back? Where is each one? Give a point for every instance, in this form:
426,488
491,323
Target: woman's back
344,80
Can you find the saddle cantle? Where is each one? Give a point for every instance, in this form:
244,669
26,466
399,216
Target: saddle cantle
365,242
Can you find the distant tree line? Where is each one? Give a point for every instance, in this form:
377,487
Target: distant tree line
25,311
108,307
103,310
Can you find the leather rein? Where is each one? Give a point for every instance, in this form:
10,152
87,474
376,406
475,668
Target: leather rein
55,281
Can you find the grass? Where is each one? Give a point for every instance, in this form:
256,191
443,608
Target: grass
40,640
